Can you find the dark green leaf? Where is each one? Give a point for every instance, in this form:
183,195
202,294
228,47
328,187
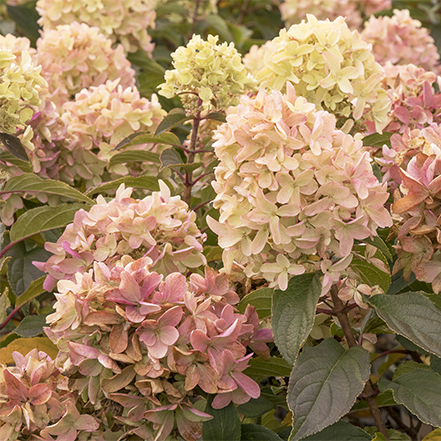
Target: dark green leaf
377,139
225,426
31,326
216,116
22,165
383,399
25,16
276,367
219,25
370,274
256,407
172,158
413,316
407,344
394,435
294,312
21,271
340,431
44,218
148,137
435,364
261,299
408,366
133,156
325,382
419,391
14,145
143,60
29,182
254,432
170,121
34,290
213,253
379,243
147,182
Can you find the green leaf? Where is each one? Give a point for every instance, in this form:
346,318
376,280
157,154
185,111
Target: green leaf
133,156
25,16
435,364
213,253
21,271
256,407
30,182
225,426
22,165
219,25
294,312
4,305
383,399
377,139
217,116
44,218
419,391
34,290
379,243
408,366
370,274
148,137
14,145
413,316
325,382
31,326
172,158
407,344
394,435
147,182
170,121
261,299
276,367
143,60
340,431
254,432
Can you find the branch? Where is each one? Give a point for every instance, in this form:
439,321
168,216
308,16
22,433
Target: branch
368,392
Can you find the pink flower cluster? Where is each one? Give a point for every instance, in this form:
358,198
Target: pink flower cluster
419,209
77,56
35,401
401,40
159,226
293,192
152,344
415,103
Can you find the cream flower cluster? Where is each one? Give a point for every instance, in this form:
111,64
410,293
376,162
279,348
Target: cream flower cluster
21,86
331,67
401,40
159,226
77,56
294,11
17,45
292,191
206,71
122,21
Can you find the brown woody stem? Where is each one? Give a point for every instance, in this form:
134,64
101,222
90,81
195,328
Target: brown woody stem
368,392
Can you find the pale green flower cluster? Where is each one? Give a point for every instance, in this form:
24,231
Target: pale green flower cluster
20,87
123,21
206,71
331,67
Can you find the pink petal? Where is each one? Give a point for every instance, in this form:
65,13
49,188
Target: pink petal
15,389
39,394
249,386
